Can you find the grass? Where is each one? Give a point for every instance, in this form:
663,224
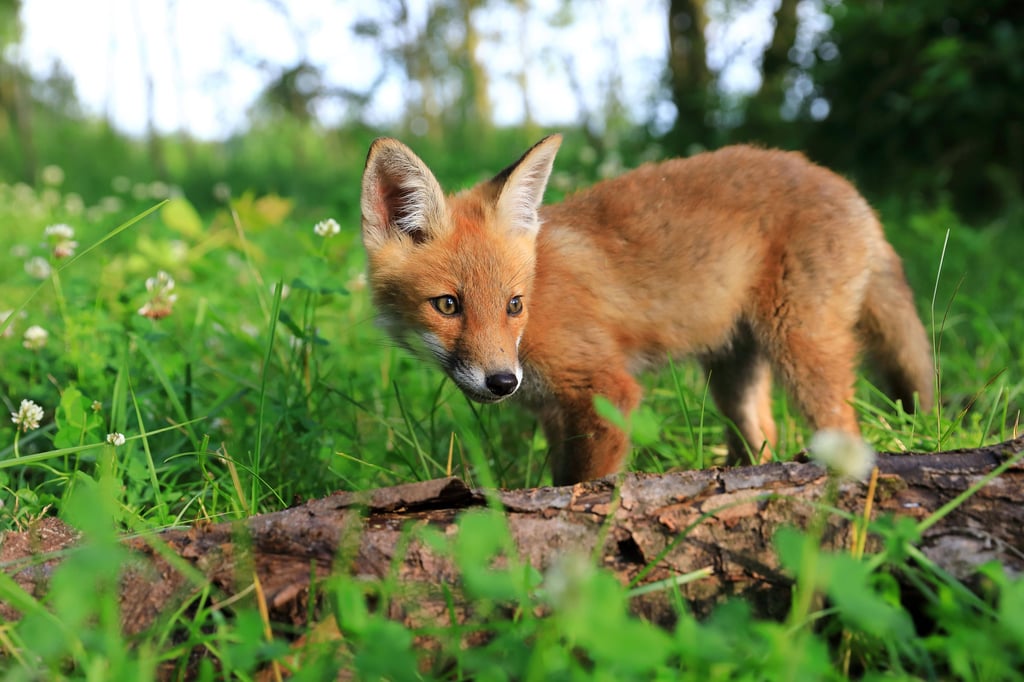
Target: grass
267,383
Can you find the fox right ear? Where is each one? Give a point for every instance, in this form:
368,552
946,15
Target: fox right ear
401,197
521,185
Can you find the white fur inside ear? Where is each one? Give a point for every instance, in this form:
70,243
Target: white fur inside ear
414,197
523,191
399,195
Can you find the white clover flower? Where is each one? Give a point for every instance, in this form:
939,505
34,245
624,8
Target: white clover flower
222,192
159,284
121,184
52,175
74,204
177,251
49,197
60,231
96,406
844,453
565,580
61,238
64,249
327,228
111,204
285,290
35,337
38,268
23,194
161,301
116,439
159,190
28,416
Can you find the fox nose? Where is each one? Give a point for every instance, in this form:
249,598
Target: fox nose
502,384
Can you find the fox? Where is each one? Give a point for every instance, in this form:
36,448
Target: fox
757,262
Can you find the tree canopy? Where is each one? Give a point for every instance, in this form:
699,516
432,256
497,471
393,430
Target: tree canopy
923,99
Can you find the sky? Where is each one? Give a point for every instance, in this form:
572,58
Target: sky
202,83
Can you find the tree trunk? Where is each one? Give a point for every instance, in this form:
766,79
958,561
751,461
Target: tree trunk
689,78
764,122
660,526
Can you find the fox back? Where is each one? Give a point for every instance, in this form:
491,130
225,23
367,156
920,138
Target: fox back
757,262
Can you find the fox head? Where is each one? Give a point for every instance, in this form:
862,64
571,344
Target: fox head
455,273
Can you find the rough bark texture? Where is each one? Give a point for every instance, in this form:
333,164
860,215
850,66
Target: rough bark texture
679,522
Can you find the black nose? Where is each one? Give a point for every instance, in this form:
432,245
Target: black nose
502,384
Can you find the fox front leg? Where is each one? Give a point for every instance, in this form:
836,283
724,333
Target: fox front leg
584,445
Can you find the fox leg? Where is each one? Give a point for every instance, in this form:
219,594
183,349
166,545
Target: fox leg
816,365
583,444
740,380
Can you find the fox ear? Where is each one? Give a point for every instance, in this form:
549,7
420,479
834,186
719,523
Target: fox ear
521,185
401,197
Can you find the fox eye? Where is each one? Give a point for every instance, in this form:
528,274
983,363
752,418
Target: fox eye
515,305
446,305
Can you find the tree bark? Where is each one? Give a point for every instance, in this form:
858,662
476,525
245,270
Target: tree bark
660,526
690,80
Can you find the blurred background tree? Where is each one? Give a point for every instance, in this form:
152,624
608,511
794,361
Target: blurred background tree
918,99
923,97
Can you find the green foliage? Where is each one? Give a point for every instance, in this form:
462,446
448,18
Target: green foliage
924,97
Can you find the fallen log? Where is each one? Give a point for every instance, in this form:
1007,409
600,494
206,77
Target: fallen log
654,527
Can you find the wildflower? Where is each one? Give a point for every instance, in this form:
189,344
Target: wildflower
64,249
52,175
23,194
222,192
177,251
116,439
49,197
161,283
28,416
96,406
73,203
38,268
846,454
159,190
161,299
35,337
111,204
61,237
121,184
327,228
60,231
566,580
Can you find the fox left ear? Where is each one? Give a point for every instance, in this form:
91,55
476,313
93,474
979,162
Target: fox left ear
400,196
521,185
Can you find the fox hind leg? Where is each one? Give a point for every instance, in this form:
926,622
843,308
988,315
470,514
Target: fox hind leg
816,365
740,380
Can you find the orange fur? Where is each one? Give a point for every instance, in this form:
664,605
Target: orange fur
756,261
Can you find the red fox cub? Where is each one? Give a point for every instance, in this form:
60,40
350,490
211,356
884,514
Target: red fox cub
758,262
